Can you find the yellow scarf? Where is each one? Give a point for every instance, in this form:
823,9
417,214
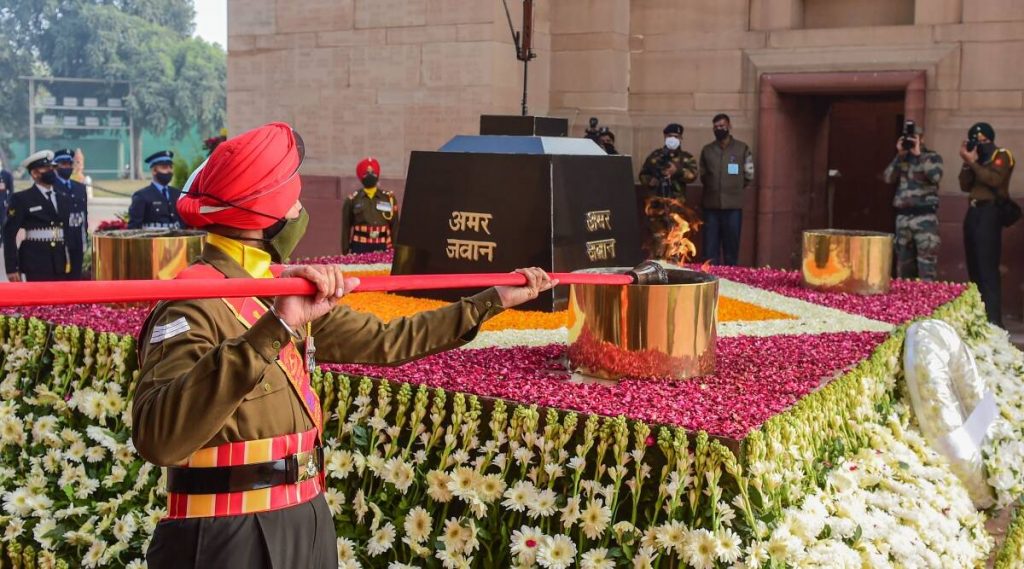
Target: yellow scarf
371,191
255,261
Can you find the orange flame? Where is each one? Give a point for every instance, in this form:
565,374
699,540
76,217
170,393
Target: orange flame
670,222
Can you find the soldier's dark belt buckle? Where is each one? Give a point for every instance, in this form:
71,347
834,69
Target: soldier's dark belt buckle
226,479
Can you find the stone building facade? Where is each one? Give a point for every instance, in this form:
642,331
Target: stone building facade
814,85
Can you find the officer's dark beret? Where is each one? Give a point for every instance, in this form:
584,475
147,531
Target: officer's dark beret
982,128
673,128
162,157
64,155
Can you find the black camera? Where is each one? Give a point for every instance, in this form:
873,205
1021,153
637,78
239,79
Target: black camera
972,143
593,122
592,130
909,132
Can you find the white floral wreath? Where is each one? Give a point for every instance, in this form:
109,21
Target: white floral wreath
945,391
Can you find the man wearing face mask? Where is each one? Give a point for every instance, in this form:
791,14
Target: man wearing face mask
6,189
155,206
78,218
42,211
726,170
370,215
668,169
224,399
985,175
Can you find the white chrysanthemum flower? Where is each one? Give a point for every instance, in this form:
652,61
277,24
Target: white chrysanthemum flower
673,536
524,543
95,454
728,546
45,526
644,558
703,549
94,555
556,552
595,519
14,529
491,487
519,496
346,550
381,540
335,500
124,527
596,559
418,525
542,505
437,486
18,502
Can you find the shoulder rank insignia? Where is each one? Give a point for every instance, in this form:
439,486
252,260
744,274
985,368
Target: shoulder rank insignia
170,330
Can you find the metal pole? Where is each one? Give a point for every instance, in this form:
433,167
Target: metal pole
31,116
526,74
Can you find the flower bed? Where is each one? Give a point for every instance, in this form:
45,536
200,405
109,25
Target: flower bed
442,468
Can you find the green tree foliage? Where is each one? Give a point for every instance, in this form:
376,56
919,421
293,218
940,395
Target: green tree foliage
177,81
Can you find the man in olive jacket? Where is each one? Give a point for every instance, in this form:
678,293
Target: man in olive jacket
726,168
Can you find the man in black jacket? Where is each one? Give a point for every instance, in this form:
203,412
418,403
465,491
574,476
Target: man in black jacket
42,212
156,205
78,217
6,189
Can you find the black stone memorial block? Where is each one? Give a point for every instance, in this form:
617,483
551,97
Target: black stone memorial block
523,126
484,204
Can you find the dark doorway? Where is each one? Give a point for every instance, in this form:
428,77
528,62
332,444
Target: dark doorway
861,142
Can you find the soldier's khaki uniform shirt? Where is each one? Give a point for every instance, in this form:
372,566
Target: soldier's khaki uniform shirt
206,380
989,180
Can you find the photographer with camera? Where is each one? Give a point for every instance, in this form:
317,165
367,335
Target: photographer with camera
602,136
918,171
985,175
668,169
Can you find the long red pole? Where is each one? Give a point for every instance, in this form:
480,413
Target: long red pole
98,292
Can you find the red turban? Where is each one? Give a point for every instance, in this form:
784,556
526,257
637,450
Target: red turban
367,165
249,182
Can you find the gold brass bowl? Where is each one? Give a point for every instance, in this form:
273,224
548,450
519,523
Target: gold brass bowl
144,254
645,331
857,262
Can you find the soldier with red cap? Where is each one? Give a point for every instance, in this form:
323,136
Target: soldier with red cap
224,399
370,215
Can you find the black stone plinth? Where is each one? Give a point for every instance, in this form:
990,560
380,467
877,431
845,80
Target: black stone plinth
514,125
556,203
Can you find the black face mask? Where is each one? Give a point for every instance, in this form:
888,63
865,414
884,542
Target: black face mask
163,178
49,178
721,134
65,172
370,180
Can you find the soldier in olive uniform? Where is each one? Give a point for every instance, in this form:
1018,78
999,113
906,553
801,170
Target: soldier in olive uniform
667,170
78,217
985,176
155,206
42,211
918,170
224,399
370,215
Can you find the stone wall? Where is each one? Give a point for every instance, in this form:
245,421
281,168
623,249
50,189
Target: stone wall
385,77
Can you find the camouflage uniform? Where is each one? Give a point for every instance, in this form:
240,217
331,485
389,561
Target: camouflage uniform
686,172
917,205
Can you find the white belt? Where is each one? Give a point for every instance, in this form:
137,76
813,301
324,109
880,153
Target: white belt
51,234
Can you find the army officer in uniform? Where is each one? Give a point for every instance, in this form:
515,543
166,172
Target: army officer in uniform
155,206
224,398
78,216
42,212
370,215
